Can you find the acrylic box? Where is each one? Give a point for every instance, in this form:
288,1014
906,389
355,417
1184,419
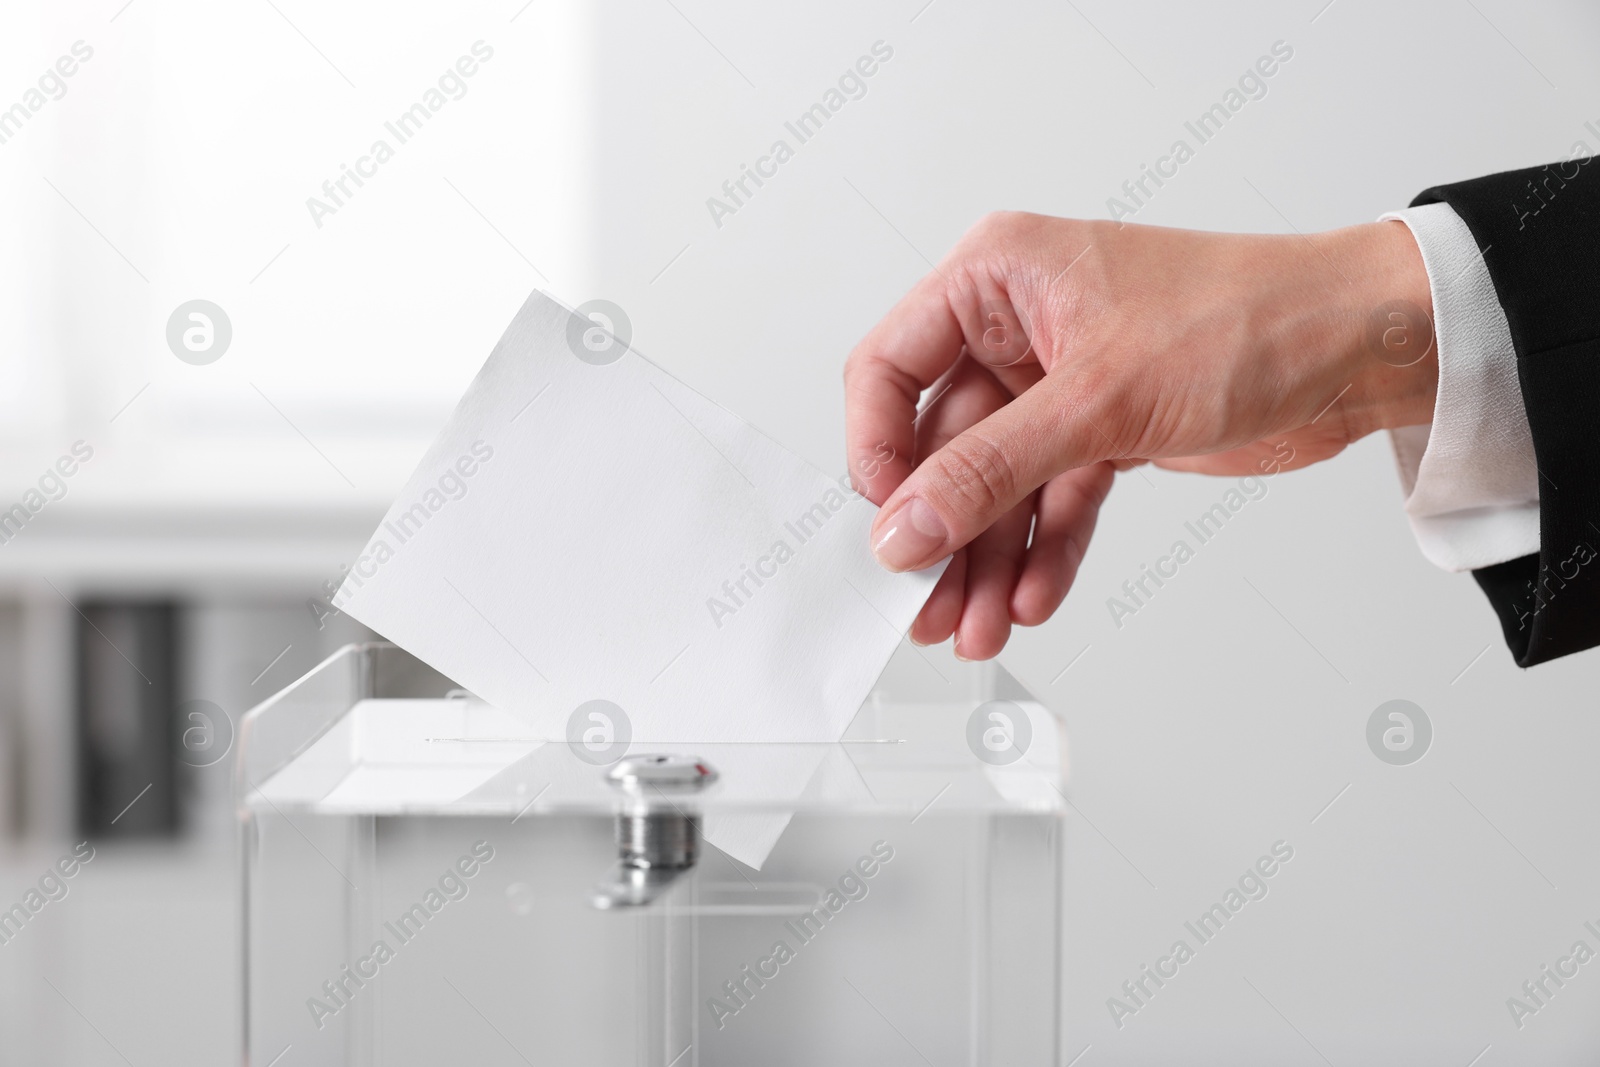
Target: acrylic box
425,881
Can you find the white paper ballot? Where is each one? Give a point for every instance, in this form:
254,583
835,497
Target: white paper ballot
588,531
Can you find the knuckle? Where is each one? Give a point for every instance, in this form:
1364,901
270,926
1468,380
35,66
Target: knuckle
978,477
1000,225
991,221
863,359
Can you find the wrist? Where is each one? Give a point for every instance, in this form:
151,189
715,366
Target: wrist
1389,341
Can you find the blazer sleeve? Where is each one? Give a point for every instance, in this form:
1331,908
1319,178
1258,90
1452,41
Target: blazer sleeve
1539,232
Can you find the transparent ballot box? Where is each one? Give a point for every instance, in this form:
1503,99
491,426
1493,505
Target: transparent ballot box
426,880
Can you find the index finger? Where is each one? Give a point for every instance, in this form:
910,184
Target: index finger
907,352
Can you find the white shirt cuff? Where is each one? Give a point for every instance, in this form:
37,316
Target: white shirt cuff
1470,477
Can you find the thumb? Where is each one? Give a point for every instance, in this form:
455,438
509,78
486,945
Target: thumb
960,490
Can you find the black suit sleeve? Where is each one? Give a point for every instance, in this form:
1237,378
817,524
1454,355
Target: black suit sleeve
1539,231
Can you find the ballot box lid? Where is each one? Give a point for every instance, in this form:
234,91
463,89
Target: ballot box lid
372,731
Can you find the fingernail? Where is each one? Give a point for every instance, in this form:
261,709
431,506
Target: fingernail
911,537
955,646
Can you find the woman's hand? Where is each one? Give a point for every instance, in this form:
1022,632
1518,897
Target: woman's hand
1060,351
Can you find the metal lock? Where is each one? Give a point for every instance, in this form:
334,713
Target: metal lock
657,839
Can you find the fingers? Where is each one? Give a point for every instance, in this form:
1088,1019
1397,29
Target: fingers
938,618
994,559
916,343
1001,579
1066,510
986,471
973,603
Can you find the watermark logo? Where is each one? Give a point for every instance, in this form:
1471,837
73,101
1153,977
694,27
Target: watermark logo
199,332
599,732
1537,992
453,884
1250,887
1251,85
399,527
1138,592
599,333
1005,339
1399,732
1550,581
51,486
1400,333
1542,193
451,85
51,887
50,86
851,886
207,733
738,190
999,732
519,899
737,591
